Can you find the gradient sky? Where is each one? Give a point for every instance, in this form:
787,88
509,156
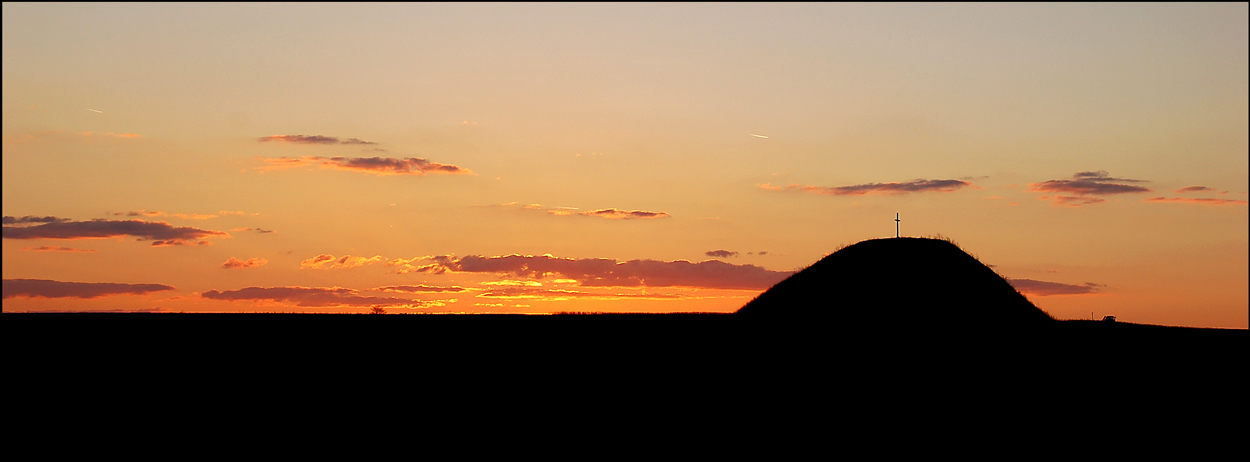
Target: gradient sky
534,158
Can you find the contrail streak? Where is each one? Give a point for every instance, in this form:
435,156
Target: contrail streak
93,110
759,136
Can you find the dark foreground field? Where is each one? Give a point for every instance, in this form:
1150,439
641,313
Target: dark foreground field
662,338
660,375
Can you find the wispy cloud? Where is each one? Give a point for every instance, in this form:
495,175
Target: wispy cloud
312,139
603,272
541,294
1197,200
61,135
145,213
325,262
161,233
720,253
313,297
111,134
609,213
914,186
1043,288
1083,185
381,166
258,230
46,288
419,288
1072,201
49,248
234,263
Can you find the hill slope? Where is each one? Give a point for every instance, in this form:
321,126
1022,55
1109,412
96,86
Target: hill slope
895,281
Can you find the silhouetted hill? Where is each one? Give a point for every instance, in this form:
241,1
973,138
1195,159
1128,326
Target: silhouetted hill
899,281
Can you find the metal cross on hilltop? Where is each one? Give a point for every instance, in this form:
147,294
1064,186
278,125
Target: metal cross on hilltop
896,220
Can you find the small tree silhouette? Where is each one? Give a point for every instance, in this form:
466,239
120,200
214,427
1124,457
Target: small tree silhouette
377,310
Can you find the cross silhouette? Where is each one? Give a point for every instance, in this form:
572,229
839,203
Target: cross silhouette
896,220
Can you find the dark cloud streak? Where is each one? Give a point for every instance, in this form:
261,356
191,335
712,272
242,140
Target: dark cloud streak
914,186
603,272
33,219
1043,288
309,297
313,139
46,288
160,232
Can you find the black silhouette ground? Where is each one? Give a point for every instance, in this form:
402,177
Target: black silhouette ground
898,282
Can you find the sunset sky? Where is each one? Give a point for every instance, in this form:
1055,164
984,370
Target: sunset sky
537,158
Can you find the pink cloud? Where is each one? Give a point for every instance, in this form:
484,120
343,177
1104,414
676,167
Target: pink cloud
45,288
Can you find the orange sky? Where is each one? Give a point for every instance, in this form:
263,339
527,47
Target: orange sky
536,158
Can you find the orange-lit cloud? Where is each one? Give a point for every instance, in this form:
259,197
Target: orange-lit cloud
1196,200
381,166
312,139
721,253
623,214
610,213
1043,288
1084,185
261,231
419,288
411,266
325,261
161,233
312,297
604,272
532,293
915,186
174,242
234,263
49,248
45,288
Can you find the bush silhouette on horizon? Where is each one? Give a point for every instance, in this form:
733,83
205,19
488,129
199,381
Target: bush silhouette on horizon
898,281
